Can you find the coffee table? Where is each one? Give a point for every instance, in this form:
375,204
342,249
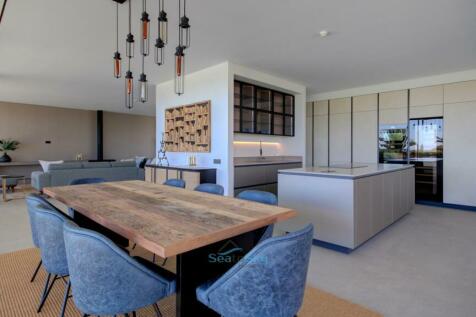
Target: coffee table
4,183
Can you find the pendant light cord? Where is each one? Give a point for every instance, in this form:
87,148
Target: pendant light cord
130,19
117,26
3,10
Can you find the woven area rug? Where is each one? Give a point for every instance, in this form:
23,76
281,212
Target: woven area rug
19,297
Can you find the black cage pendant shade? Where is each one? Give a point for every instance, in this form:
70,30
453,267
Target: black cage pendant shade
129,90
184,25
179,70
130,42
145,30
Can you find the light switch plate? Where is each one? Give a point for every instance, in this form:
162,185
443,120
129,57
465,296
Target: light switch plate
216,161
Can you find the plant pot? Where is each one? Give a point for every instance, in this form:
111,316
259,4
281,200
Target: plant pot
5,158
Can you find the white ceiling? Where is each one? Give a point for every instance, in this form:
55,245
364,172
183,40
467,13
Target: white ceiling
59,52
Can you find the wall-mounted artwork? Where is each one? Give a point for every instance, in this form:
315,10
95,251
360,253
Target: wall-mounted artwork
187,128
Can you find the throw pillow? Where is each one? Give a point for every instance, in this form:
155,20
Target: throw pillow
45,165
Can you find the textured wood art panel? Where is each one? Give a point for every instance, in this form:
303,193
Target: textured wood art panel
187,128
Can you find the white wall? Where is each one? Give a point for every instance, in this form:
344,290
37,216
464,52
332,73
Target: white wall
209,84
217,84
295,146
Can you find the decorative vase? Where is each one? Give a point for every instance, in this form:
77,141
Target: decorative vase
5,158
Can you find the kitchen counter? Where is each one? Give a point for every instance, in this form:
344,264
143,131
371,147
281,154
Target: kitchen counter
347,206
360,171
266,160
182,167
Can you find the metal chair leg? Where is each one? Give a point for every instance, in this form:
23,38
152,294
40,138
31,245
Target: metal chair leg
65,299
45,296
153,259
36,271
157,310
165,261
134,246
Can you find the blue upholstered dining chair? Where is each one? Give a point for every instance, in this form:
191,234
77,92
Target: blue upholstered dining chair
211,189
105,280
31,201
48,225
268,282
264,198
84,181
180,183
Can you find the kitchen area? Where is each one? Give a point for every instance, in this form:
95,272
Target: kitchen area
369,158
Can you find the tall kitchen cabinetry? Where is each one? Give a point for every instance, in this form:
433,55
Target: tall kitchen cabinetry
340,131
321,133
459,174
364,129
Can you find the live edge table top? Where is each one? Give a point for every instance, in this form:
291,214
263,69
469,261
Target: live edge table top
166,220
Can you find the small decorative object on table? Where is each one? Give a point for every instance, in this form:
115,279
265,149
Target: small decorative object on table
7,145
192,160
161,156
80,157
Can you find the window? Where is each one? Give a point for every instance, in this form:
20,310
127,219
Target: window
259,110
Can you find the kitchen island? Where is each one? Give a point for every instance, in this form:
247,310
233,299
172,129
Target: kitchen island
347,204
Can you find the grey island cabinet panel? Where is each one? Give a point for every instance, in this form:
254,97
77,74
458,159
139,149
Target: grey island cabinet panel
261,173
347,206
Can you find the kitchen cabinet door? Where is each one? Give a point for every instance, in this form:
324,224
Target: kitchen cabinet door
426,102
365,130
340,131
459,172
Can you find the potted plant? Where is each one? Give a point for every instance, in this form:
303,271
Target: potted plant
7,145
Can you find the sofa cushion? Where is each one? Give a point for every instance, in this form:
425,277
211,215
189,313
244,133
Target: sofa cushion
123,164
45,165
96,164
65,166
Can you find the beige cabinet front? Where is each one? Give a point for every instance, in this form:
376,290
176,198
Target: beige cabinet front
340,131
364,134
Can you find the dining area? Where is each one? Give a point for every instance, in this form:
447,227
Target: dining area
213,255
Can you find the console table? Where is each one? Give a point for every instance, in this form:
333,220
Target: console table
192,175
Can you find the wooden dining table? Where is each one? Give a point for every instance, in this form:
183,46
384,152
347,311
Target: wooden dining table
207,233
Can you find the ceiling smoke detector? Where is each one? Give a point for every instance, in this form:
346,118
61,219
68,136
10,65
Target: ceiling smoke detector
324,33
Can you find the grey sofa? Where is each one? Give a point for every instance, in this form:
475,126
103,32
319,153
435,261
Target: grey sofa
63,174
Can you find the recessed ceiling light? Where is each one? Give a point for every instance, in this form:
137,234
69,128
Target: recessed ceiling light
324,33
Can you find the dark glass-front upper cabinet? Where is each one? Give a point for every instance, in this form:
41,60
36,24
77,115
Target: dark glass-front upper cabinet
260,110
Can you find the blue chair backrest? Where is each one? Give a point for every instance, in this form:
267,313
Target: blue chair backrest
31,201
175,182
269,281
259,196
211,189
85,181
105,280
49,231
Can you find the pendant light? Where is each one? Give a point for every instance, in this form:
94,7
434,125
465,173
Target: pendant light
117,55
163,23
143,89
184,25
129,90
130,53
162,36
179,70
145,28
130,43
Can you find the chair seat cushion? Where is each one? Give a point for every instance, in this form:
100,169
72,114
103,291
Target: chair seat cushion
202,292
165,274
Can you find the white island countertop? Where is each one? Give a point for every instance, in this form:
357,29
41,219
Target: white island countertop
340,171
